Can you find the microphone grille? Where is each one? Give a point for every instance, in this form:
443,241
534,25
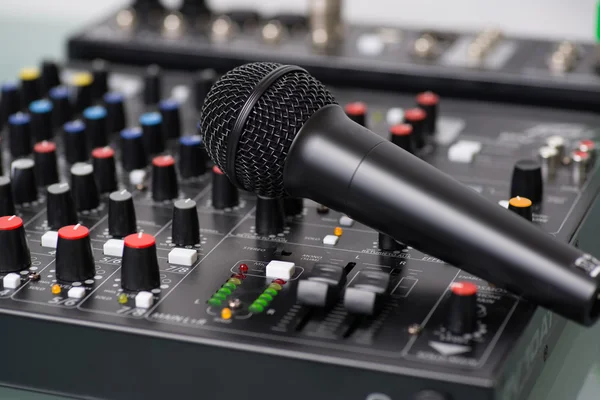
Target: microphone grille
270,128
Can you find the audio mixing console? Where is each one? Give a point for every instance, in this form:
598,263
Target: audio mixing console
486,64
191,285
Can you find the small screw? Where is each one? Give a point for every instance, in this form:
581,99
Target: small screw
34,276
414,329
234,304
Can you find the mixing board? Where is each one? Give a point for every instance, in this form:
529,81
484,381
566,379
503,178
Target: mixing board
485,64
191,283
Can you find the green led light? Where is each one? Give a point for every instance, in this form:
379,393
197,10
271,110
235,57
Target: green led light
266,297
214,302
219,296
270,291
224,291
275,286
261,302
235,281
230,286
256,308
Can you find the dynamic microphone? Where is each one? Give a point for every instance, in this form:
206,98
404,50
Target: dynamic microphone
275,130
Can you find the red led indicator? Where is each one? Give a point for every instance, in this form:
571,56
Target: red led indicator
464,289
428,99
356,108
139,240
44,147
73,232
239,276
103,152
279,281
243,268
414,114
8,223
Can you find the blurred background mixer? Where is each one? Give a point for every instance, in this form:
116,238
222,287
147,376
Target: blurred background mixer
131,266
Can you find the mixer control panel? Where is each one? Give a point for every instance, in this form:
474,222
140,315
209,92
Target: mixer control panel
113,216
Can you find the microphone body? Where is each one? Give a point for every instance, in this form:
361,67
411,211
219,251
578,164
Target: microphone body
340,164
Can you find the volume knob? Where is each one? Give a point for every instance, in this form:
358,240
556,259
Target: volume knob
105,172
192,161
521,206
60,207
9,101
61,105
74,258
462,313
133,155
15,253
224,193
152,85
41,120
19,132
7,206
46,167
95,127
115,112
186,227
23,180
85,190
154,141
139,266
50,75
171,119
75,143
164,179
269,216
121,214
527,180
202,84
30,86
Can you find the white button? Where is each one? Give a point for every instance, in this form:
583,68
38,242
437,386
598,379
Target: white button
370,44
137,176
346,221
144,300
503,203
185,257
11,281
463,151
50,239
395,116
280,269
76,292
114,247
330,240
180,93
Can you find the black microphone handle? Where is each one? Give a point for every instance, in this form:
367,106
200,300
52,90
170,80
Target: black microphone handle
340,164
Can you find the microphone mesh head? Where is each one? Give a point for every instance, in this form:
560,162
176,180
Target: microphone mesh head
270,128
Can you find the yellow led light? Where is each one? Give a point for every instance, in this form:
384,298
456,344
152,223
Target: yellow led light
226,313
29,74
338,231
83,79
275,286
122,298
56,289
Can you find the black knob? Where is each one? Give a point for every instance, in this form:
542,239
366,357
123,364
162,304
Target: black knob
357,112
41,120
164,179
462,312
105,171
75,143
186,227
388,243
527,180
269,216
50,76
415,117
100,75
59,96
115,112
151,123
85,190
46,167
7,205
31,87
192,161
23,181
121,214
19,134
203,81
15,253
402,137
74,258
133,154
152,85
95,127
428,102
60,207
293,206
521,206
83,91
224,193
171,119
139,266
9,101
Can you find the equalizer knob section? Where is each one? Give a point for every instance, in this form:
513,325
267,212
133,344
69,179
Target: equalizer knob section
74,258
462,312
15,253
121,214
139,266
186,227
